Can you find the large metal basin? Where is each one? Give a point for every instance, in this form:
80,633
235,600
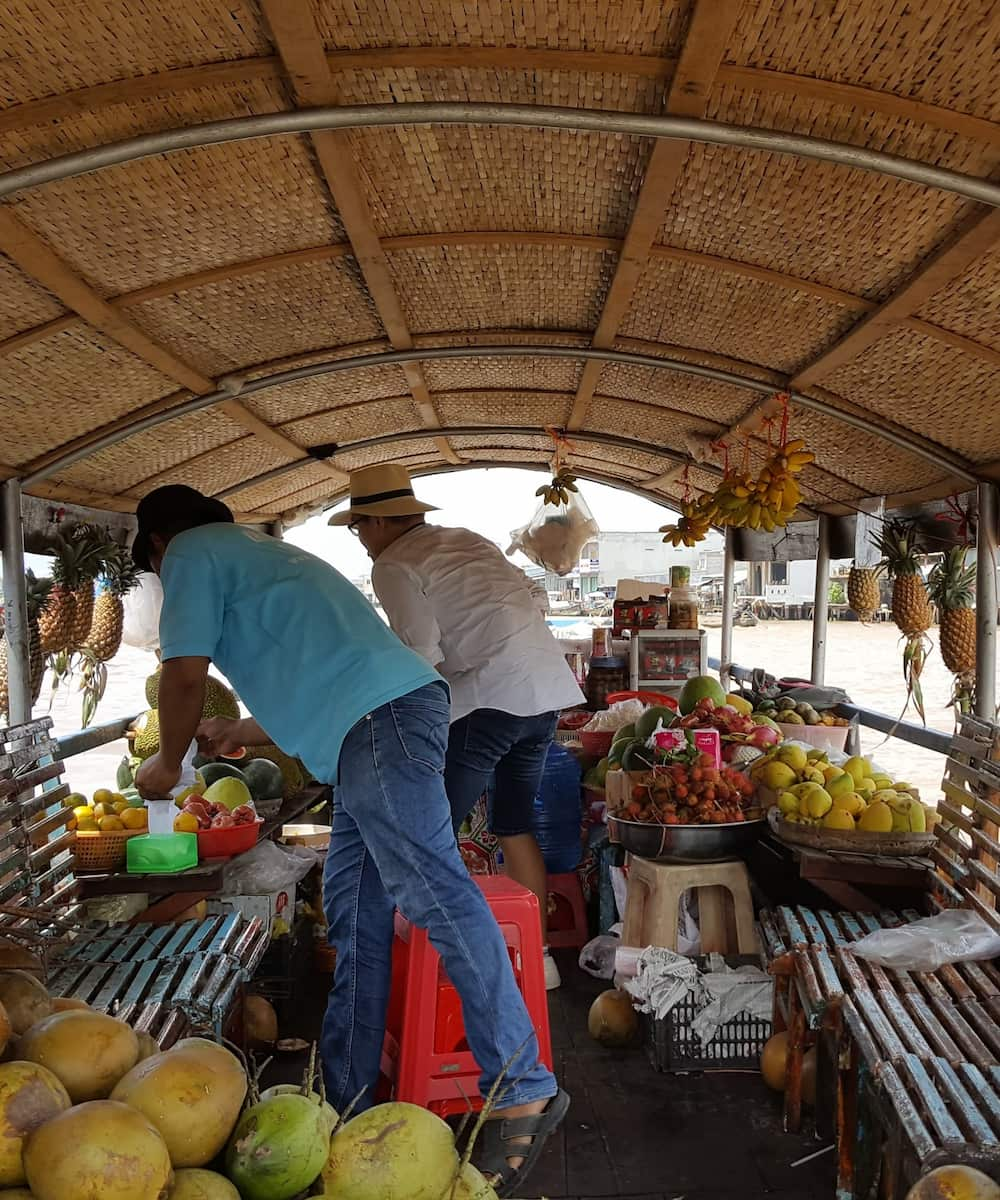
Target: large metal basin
685,843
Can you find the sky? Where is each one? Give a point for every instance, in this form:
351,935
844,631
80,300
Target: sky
489,502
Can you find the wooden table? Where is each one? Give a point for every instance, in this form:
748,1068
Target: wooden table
206,878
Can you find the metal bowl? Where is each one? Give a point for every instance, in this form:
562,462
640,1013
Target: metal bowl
685,843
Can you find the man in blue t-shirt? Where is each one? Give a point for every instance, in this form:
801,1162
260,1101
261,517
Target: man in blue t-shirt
326,680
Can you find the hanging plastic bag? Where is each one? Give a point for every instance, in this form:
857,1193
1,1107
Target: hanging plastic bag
141,628
957,935
556,534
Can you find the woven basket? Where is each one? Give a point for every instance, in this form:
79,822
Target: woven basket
101,851
894,845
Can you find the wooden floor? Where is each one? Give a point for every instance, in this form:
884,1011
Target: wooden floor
635,1134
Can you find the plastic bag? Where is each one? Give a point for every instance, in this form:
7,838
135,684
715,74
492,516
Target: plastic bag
597,958
953,936
556,534
610,720
142,605
268,868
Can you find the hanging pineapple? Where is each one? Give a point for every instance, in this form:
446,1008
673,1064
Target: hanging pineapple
863,592
37,593
73,572
901,552
952,587
120,576
93,544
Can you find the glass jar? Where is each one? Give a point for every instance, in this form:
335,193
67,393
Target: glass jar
607,676
683,609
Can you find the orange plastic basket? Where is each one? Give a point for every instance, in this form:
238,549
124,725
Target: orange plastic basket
94,851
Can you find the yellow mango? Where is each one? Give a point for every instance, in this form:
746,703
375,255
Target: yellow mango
839,818
794,757
860,768
840,785
850,802
877,818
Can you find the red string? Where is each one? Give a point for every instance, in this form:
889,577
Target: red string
746,456
783,397
723,449
687,484
958,516
562,444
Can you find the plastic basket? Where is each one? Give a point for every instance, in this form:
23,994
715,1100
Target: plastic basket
823,737
596,743
93,851
673,1045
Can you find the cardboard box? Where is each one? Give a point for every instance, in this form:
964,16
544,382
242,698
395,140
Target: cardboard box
267,908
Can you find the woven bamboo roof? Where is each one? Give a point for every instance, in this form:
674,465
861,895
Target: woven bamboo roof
645,294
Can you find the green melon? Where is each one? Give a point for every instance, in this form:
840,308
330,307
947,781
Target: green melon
291,768
214,771
264,779
697,689
624,734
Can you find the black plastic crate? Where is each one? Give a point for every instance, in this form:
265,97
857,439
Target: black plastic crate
673,1046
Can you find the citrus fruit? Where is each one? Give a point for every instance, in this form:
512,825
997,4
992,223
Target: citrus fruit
134,818
110,824
75,800
103,796
86,825
185,822
83,812
119,807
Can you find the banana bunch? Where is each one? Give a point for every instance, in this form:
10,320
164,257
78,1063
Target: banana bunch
766,502
557,492
692,525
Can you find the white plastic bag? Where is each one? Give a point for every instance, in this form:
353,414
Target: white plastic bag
556,534
597,958
142,606
267,868
953,936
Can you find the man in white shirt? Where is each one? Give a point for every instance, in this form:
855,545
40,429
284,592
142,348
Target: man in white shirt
453,597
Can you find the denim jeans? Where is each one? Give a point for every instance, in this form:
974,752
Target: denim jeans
490,743
392,846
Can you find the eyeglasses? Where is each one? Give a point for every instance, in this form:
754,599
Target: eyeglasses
353,528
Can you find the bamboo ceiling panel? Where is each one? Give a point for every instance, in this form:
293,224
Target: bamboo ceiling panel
720,402
970,305
293,401
352,460
647,422
847,229
439,179
505,336
687,354
120,467
693,305
155,219
508,441
108,122
327,354
633,26
236,322
549,374
946,395
354,424
944,53
310,498
22,303
263,495
69,384
510,407
485,287
227,467
51,46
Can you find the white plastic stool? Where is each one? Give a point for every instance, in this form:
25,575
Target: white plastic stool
725,909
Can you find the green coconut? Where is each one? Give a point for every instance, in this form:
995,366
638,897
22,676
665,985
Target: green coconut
278,1148
193,1183
472,1186
293,1089
393,1151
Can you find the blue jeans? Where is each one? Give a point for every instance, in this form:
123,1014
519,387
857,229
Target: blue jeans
490,743
392,846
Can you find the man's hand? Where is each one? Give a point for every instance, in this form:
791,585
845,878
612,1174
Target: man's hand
219,735
155,779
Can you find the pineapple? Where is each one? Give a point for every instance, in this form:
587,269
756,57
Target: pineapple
37,594
901,552
72,566
120,576
93,545
952,587
863,592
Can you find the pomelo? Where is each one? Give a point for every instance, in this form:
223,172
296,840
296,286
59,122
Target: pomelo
192,1183
278,1148
191,1097
698,688
30,1095
87,1050
214,771
24,999
101,1148
230,792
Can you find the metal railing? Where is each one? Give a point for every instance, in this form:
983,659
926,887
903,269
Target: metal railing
83,740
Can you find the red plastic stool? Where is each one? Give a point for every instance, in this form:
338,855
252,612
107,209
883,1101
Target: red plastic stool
567,922
425,1057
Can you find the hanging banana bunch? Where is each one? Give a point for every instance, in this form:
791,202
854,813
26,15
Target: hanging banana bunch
693,524
558,491
768,501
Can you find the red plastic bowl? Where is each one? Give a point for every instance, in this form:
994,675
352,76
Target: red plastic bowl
224,843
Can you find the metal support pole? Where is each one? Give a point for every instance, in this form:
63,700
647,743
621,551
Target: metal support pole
15,607
728,604
822,601
986,603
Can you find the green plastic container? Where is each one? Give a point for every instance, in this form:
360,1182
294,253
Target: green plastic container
162,853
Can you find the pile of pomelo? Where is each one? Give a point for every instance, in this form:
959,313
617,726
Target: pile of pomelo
91,1108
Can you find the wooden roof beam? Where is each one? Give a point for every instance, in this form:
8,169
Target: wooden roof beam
712,22
300,46
41,264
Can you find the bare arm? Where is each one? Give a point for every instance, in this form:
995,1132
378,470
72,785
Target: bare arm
222,735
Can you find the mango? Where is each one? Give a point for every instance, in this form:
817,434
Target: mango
794,757
839,818
814,801
814,775
882,782
886,796
860,768
776,775
742,706
877,818
840,785
787,803
866,788
790,718
851,803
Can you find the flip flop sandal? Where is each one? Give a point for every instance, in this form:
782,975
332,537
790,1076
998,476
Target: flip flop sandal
499,1144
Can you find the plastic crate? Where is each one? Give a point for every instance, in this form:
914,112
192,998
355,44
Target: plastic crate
673,1046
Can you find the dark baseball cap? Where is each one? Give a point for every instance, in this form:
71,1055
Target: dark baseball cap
169,509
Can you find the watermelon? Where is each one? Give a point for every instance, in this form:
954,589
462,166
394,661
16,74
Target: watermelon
625,733
646,725
264,779
212,772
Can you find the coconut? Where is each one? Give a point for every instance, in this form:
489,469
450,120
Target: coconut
16,1194
6,1032
191,1097
24,999
209,1047
195,1184
148,1045
29,1096
261,1022
65,1003
293,1089
89,1051
954,1183
278,1148
470,1186
393,1151
772,1061
100,1148
612,1020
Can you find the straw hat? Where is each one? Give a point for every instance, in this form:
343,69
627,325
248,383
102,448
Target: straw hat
381,491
